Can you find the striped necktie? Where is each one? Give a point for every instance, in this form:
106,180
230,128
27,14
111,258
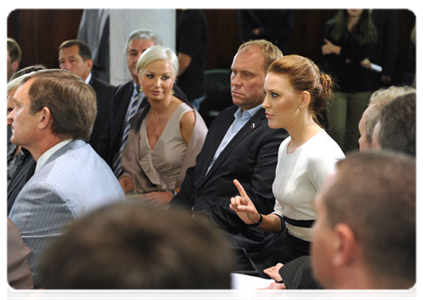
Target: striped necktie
133,108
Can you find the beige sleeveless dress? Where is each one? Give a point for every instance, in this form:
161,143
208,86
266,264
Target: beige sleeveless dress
159,169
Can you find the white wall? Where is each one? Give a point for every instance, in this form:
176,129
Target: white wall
123,22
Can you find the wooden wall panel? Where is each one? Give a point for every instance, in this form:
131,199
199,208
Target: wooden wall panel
40,32
223,37
306,39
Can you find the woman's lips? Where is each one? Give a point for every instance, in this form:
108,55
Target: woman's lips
268,116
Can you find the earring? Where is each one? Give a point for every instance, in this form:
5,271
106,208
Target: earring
140,89
172,92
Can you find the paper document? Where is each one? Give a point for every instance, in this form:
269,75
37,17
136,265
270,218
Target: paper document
376,68
243,286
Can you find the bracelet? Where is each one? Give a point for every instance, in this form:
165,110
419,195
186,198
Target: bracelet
258,223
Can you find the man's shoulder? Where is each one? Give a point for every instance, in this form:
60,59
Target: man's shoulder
69,157
76,166
227,112
102,89
101,83
123,88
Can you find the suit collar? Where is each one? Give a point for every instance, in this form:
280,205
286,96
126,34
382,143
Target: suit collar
248,128
46,155
215,140
57,151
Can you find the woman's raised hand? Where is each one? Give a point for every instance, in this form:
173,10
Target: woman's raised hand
243,206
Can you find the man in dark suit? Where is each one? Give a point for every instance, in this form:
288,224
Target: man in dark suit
239,145
124,95
75,56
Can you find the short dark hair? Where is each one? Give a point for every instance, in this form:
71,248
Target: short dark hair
132,245
14,49
398,125
84,49
72,102
374,193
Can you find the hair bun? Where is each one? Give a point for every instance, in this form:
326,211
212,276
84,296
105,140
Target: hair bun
326,83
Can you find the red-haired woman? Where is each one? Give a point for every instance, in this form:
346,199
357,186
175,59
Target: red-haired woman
295,94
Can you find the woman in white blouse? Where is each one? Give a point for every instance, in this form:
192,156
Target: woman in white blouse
296,92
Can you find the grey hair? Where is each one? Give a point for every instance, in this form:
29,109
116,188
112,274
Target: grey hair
146,34
15,83
378,100
158,53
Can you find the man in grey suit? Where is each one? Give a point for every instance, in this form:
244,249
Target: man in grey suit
54,116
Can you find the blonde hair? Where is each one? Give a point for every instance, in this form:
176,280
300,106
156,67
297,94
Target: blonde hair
155,53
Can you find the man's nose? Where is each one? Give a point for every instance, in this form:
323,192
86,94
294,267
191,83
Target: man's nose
10,117
235,79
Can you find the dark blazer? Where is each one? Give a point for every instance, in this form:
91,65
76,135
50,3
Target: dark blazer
120,100
22,175
250,157
98,138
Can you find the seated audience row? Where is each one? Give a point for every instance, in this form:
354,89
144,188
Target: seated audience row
161,150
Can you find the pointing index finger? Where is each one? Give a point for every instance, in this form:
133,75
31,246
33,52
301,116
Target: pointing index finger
240,188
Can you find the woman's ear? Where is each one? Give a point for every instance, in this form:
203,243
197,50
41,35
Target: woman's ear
305,99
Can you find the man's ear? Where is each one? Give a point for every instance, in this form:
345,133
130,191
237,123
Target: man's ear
15,66
89,63
44,118
345,245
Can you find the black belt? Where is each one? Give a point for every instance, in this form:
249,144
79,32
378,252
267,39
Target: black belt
299,223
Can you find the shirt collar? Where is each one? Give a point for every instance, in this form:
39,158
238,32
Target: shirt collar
242,115
87,81
136,86
46,155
